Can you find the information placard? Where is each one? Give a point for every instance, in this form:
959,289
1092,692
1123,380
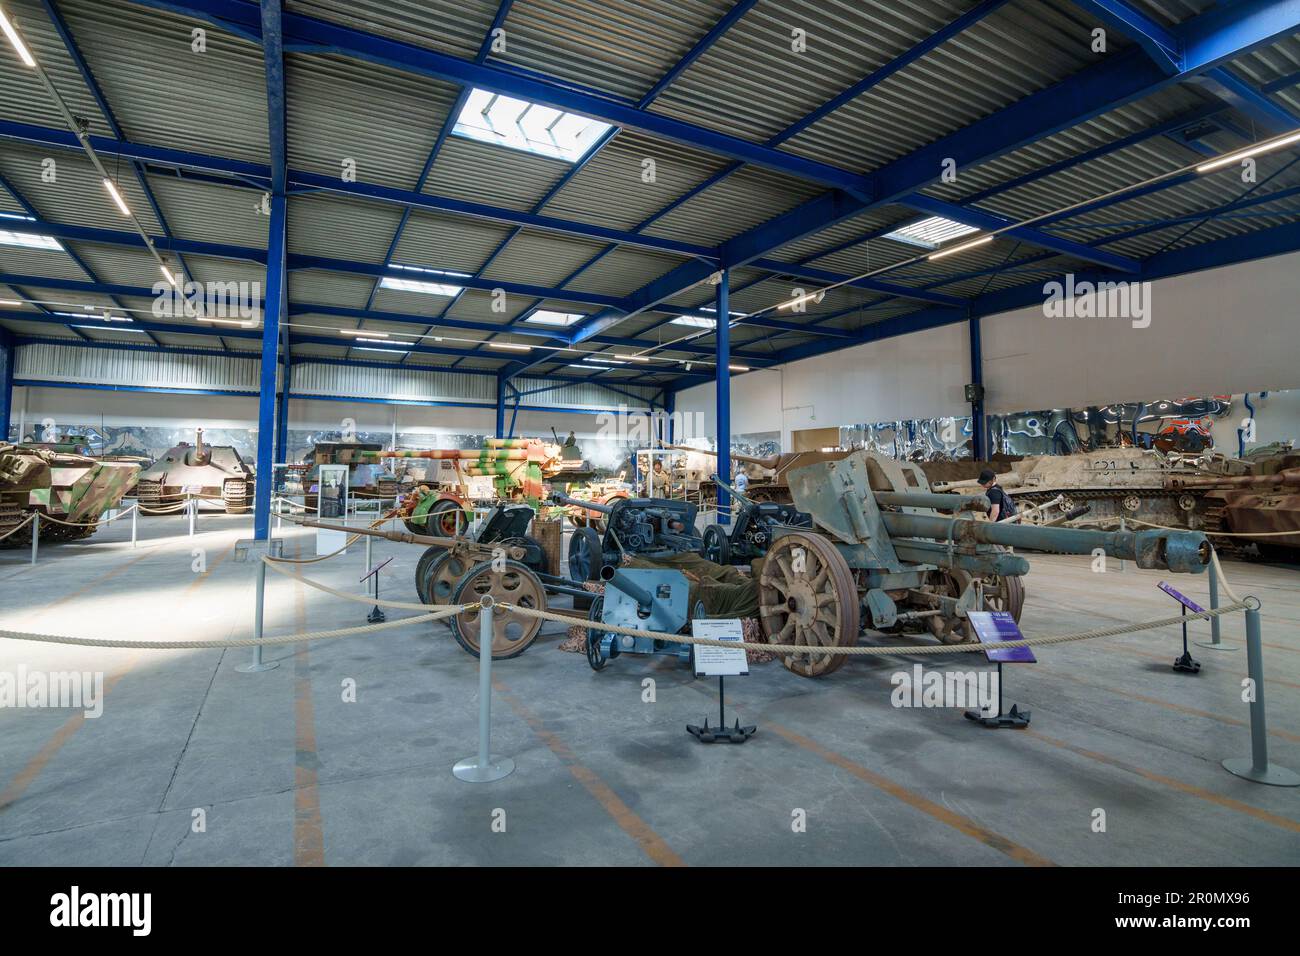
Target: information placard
994,627
1181,598
719,661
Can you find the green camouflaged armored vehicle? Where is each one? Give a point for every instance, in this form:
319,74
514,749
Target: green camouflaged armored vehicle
58,484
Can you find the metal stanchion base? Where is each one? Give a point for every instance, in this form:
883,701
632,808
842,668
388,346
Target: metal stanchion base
257,668
469,770
1273,775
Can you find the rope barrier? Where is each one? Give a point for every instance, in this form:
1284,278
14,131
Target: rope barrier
91,524
402,605
1219,534
896,648
438,615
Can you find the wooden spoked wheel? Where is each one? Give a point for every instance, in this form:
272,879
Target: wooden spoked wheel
444,576
807,596
508,583
1000,594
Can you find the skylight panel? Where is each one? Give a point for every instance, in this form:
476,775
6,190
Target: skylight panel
931,233
695,322
530,127
26,240
417,285
547,317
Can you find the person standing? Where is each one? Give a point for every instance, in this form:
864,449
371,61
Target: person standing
1001,506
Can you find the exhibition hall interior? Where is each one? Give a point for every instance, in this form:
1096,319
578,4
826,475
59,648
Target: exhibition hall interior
412,413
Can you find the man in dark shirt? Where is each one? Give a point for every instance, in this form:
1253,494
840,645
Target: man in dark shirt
1000,504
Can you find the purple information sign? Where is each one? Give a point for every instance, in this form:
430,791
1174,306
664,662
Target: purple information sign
994,627
1182,599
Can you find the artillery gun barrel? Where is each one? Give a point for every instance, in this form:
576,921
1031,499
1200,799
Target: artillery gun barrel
1187,551
925,499
615,578
770,462
405,537
560,499
1288,478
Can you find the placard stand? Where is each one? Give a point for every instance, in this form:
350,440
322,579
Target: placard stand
1184,664
720,662
993,627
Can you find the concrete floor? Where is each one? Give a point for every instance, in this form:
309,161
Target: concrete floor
288,773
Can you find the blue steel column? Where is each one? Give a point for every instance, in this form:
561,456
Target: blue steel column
723,379
670,407
276,276
8,355
977,429
501,407
282,410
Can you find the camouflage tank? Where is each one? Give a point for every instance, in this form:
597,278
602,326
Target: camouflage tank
213,471
367,477
58,484
1261,508
767,475
1115,483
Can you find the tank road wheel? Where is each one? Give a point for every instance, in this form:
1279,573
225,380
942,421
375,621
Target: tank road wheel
444,575
595,656
807,596
511,632
234,495
422,571
586,555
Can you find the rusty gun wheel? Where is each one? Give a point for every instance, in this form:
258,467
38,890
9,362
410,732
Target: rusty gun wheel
444,575
1000,594
807,596
512,632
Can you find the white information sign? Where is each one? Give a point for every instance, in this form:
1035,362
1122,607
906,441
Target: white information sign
719,661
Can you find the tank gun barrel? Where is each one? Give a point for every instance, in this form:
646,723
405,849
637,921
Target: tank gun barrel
404,537
770,462
1282,479
1011,479
1187,551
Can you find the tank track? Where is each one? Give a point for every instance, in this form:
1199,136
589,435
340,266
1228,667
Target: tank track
10,517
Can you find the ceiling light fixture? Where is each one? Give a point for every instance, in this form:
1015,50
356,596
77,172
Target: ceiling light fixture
23,53
1267,146
117,197
960,247
510,346
814,297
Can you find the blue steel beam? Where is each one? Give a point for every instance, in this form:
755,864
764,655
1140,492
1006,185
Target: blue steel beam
450,121
988,221
1165,49
7,358
699,49
1208,41
722,395
441,66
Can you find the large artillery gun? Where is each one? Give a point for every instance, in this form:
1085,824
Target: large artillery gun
644,527
881,555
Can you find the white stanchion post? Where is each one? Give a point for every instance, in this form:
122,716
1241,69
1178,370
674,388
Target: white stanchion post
36,534
135,510
257,665
191,509
1216,640
279,514
1256,767
483,767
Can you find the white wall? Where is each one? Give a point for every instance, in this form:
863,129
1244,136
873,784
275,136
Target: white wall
1218,332
913,376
